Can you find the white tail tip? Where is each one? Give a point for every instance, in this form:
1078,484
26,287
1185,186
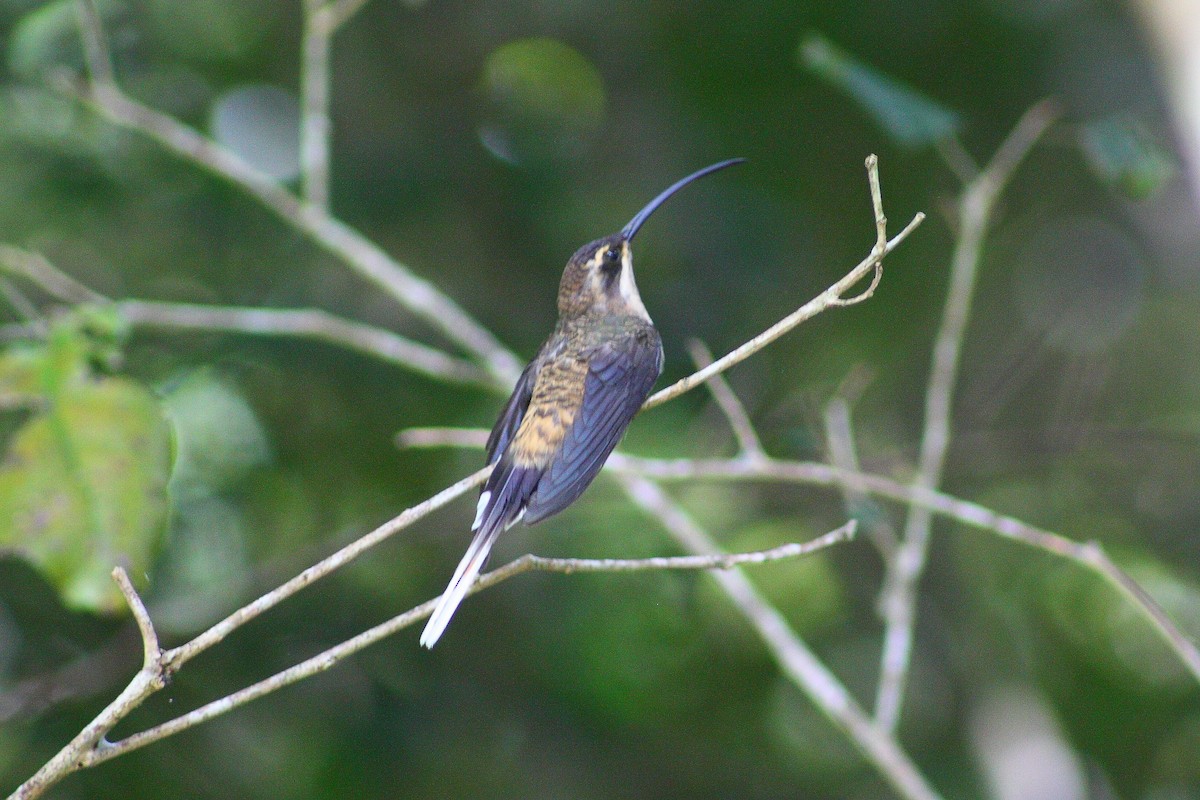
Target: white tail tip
464,578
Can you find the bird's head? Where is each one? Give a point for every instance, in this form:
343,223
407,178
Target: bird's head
599,277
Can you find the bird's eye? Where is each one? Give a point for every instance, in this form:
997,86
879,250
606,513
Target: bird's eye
612,256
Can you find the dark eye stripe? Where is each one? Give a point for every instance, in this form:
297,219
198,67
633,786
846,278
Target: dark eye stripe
610,262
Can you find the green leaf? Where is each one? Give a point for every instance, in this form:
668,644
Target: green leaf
912,119
84,488
1123,154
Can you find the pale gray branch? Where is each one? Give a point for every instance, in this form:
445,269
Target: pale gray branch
151,652
180,655
527,563
361,254
89,747
1088,554
307,323
852,482
829,298
904,569
34,267
90,740
727,400
797,661
315,124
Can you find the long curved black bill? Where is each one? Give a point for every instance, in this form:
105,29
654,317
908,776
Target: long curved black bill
629,230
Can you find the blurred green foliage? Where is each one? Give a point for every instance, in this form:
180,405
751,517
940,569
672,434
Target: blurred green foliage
911,118
84,484
481,144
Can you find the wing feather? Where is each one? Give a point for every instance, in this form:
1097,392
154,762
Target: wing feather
620,376
513,413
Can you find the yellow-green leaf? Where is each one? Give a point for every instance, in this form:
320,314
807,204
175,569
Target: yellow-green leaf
83,488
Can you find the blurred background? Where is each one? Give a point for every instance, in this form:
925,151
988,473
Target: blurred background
480,144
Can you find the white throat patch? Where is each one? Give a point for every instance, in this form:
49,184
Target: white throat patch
628,287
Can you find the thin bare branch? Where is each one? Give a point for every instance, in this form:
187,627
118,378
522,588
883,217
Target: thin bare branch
829,298
417,438
527,563
797,661
728,402
306,323
315,124
1089,554
839,436
95,44
898,597
89,747
359,253
71,758
180,655
35,268
881,243
865,294
853,482
151,652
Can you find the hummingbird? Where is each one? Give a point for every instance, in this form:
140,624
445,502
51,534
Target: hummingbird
572,403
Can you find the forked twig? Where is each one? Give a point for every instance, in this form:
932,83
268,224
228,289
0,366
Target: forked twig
93,749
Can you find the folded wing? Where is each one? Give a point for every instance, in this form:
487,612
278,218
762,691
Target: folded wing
620,376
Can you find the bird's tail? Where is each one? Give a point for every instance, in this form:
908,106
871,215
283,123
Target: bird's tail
501,505
460,584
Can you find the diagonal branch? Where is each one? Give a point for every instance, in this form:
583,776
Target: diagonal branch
1089,555
180,655
831,297
728,402
303,323
898,598
306,323
527,563
37,269
357,251
794,657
